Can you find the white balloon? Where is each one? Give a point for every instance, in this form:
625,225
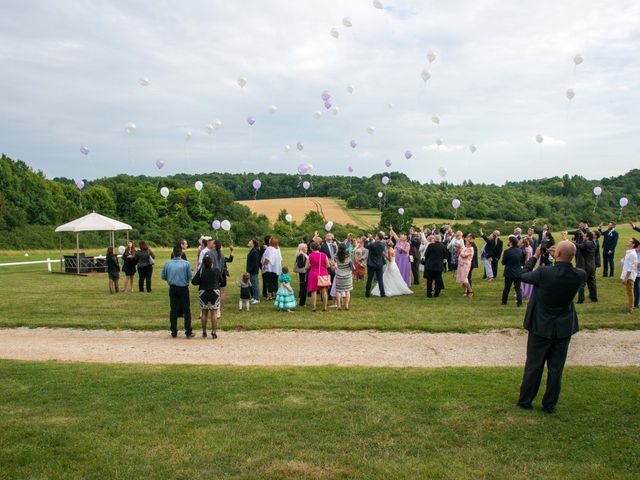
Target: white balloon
144,81
288,217
349,88
309,167
226,225
335,109
346,21
570,94
389,106
597,191
242,81
425,76
473,148
188,135
317,114
164,191
328,226
624,201
272,109
442,172
578,59
431,56
121,249
334,33
286,148
378,4
371,129
210,129
199,185
539,138
380,194
440,141
217,123
401,211
436,119
130,128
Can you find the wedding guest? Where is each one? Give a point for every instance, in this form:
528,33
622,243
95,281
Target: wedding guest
183,246
630,271
402,250
177,273
533,241
244,284
375,262
329,248
527,288
206,251
587,261
486,254
344,277
609,243
455,245
596,238
318,277
272,267
265,275
145,259
474,259
208,279
434,258
253,268
415,242
285,298
129,265
464,256
634,226
360,255
636,284
548,241
513,261
113,270
220,262
301,269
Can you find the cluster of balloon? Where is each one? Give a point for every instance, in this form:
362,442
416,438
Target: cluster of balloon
455,203
159,164
328,226
346,22
130,129
624,201
597,191
401,211
425,74
84,150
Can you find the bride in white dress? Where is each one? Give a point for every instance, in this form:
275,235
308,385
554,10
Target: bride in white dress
394,284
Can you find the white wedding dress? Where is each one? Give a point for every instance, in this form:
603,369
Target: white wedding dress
394,284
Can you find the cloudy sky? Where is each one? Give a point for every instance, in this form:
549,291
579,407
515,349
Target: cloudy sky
71,70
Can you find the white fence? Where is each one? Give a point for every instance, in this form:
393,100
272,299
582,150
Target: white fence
48,261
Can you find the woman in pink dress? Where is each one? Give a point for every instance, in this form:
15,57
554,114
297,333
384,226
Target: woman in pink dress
465,257
317,265
402,256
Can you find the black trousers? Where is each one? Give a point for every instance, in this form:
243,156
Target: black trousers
469,277
371,272
494,267
271,279
540,350
332,274
144,275
608,263
508,281
302,293
415,270
264,284
179,301
591,285
434,283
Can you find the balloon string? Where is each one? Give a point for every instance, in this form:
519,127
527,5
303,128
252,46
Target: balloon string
596,205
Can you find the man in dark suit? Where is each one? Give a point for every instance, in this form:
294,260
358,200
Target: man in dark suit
375,262
414,251
513,260
434,258
587,249
551,319
531,231
489,249
497,253
583,227
609,243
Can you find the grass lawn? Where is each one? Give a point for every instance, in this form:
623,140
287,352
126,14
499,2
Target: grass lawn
100,421
33,297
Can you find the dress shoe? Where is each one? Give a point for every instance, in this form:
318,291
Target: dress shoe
189,335
524,406
549,410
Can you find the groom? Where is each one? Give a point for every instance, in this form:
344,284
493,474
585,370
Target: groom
375,262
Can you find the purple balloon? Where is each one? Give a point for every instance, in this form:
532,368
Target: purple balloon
159,164
300,146
326,95
251,120
215,224
385,180
350,168
353,144
455,203
327,104
408,154
79,184
84,150
256,184
302,169
387,163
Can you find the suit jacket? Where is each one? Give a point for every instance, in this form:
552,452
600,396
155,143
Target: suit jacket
414,249
609,240
497,249
490,247
435,256
376,253
550,312
253,261
513,260
588,255
598,258
327,249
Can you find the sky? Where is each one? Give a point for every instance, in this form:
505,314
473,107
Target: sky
70,73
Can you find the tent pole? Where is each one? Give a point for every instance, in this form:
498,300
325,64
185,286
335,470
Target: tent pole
61,256
78,253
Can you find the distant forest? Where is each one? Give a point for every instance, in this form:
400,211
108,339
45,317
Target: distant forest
31,206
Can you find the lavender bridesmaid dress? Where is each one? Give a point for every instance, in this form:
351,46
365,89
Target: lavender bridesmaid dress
403,261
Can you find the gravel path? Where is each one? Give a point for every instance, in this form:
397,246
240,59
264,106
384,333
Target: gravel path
306,347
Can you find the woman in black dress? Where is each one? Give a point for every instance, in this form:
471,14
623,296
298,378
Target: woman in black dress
301,269
145,259
208,281
113,270
129,266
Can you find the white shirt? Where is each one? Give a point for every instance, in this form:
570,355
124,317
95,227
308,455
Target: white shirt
630,265
204,252
275,260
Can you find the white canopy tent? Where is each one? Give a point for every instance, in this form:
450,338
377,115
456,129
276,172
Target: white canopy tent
92,222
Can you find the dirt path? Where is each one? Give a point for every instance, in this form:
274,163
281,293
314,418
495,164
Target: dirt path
304,347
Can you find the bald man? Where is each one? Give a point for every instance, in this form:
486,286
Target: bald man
551,319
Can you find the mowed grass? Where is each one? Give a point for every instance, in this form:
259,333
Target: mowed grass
102,421
33,297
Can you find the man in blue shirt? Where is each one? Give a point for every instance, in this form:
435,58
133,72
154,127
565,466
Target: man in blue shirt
177,273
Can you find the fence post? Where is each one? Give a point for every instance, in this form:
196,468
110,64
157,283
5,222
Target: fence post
49,264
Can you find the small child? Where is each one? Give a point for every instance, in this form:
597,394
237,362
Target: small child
285,298
245,290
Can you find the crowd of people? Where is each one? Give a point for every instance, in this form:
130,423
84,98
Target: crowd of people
327,268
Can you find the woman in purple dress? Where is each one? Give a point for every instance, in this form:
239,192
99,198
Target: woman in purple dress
402,256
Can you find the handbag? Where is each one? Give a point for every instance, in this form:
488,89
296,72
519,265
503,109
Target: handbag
323,280
151,259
